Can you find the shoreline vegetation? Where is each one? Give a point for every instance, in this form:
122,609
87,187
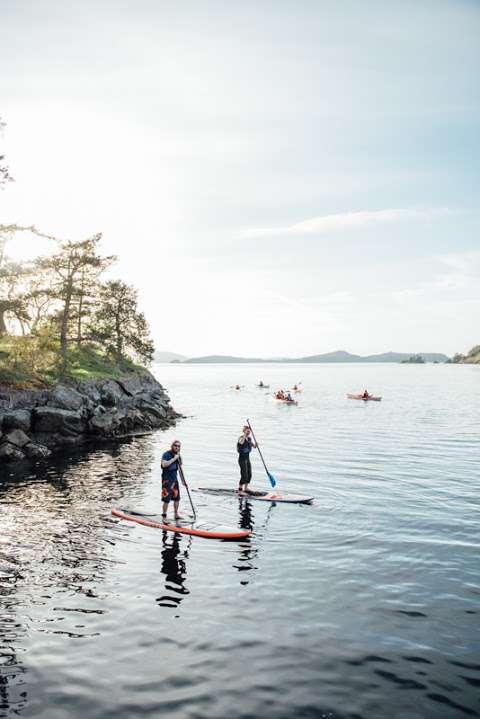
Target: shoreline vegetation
58,318
74,351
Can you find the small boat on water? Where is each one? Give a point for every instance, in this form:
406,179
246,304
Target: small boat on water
263,386
370,397
284,400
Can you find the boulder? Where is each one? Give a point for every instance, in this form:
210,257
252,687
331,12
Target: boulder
105,425
17,419
16,437
90,390
63,421
111,393
132,385
10,453
36,451
65,398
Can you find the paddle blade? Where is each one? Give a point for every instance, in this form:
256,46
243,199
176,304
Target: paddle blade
272,479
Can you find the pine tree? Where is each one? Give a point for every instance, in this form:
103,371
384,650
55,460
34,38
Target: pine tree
68,266
118,325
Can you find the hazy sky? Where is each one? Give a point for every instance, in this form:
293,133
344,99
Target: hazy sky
278,177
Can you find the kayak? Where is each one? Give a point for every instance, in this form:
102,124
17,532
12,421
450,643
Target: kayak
263,386
285,401
370,397
261,496
209,531
299,389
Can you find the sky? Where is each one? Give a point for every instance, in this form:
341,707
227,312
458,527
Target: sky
277,177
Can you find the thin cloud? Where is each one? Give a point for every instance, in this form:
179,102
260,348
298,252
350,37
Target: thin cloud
346,221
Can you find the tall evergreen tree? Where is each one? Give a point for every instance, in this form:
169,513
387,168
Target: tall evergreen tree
68,266
118,325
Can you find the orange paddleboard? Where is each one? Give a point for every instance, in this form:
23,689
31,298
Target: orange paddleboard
209,531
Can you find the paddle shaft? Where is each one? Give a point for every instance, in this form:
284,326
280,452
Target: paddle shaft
184,482
259,450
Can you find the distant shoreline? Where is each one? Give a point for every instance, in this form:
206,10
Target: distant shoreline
340,357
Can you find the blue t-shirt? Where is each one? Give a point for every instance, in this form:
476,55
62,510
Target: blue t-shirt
245,448
170,473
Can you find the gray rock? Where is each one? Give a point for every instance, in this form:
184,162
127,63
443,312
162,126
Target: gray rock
10,453
16,437
90,390
36,451
131,385
17,419
63,421
112,394
77,411
105,425
65,398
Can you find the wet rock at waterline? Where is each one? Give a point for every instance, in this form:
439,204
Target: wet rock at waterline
34,423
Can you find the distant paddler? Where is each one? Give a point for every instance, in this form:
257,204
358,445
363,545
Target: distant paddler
245,444
171,462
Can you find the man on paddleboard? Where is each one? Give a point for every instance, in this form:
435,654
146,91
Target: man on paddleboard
171,461
245,444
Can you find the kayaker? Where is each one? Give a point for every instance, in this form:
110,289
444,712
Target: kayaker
245,444
295,387
280,394
170,487
260,384
289,397
237,386
365,394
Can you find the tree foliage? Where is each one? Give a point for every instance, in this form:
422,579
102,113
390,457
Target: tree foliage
5,175
54,305
118,324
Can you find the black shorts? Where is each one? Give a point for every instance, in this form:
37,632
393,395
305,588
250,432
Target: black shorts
245,470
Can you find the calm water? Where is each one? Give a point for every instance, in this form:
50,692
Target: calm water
365,604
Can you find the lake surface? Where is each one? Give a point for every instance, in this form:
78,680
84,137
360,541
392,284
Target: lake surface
365,604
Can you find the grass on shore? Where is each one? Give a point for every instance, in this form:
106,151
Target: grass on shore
25,364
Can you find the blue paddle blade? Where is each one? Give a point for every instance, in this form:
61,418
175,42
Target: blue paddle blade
272,479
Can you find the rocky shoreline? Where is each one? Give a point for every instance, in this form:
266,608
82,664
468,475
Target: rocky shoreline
36,422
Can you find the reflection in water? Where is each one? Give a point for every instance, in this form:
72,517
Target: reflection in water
55,532
11,631
174,566
246,553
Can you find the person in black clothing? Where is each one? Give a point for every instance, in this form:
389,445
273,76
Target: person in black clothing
245,444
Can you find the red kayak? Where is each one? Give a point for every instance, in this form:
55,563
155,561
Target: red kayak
370,397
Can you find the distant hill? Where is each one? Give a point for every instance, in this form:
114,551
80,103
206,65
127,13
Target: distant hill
472,357
400,356
168,357
338,356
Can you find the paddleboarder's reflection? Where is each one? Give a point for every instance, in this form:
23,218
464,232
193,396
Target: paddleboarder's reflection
246,517
174,567
246,553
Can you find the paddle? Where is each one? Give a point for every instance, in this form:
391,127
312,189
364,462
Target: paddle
184,482
272,479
